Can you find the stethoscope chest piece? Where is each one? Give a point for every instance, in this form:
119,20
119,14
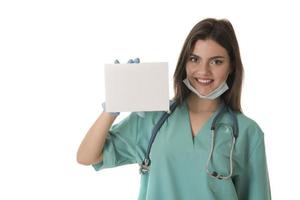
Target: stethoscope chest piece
145,166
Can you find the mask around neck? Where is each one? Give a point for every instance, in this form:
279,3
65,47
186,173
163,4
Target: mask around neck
212,95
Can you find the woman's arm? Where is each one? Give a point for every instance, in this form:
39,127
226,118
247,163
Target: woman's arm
90,149
253,183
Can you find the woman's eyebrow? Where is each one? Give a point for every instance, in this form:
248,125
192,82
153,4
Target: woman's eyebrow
214,57
194,55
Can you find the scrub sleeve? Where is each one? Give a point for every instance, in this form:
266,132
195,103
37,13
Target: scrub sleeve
120,145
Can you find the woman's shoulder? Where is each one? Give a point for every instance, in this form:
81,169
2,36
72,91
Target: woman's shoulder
248,127
246,120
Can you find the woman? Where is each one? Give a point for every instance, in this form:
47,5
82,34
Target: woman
207,78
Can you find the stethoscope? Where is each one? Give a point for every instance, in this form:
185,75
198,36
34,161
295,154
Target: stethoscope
145,165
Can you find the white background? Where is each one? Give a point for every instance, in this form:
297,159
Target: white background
52,55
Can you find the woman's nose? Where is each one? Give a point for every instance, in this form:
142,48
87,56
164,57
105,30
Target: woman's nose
202,68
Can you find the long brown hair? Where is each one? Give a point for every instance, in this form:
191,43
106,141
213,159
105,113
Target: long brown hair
222,32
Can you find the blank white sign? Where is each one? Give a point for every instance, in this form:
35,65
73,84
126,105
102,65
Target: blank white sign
136,87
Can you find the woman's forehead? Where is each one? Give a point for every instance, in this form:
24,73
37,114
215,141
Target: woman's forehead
209,48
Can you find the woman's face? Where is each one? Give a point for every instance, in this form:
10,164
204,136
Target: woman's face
208,66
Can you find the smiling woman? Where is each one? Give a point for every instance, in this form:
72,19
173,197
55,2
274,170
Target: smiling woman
207,148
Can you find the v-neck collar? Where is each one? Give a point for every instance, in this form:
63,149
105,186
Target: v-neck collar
205,129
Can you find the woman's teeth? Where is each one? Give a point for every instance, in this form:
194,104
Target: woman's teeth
204,81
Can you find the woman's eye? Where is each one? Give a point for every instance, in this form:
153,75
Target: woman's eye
216,62
193,59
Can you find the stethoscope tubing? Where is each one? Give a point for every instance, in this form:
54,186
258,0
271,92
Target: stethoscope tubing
145,166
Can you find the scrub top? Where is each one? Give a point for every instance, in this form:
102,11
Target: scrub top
178,159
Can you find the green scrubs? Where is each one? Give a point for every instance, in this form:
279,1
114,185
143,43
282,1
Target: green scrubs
178,159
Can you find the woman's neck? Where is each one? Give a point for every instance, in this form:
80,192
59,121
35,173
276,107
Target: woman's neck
198,105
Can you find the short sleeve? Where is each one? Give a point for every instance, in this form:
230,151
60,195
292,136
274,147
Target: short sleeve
253,182
120,145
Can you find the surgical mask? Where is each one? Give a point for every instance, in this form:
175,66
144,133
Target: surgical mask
212,95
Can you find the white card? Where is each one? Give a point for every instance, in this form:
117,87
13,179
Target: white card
137,87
